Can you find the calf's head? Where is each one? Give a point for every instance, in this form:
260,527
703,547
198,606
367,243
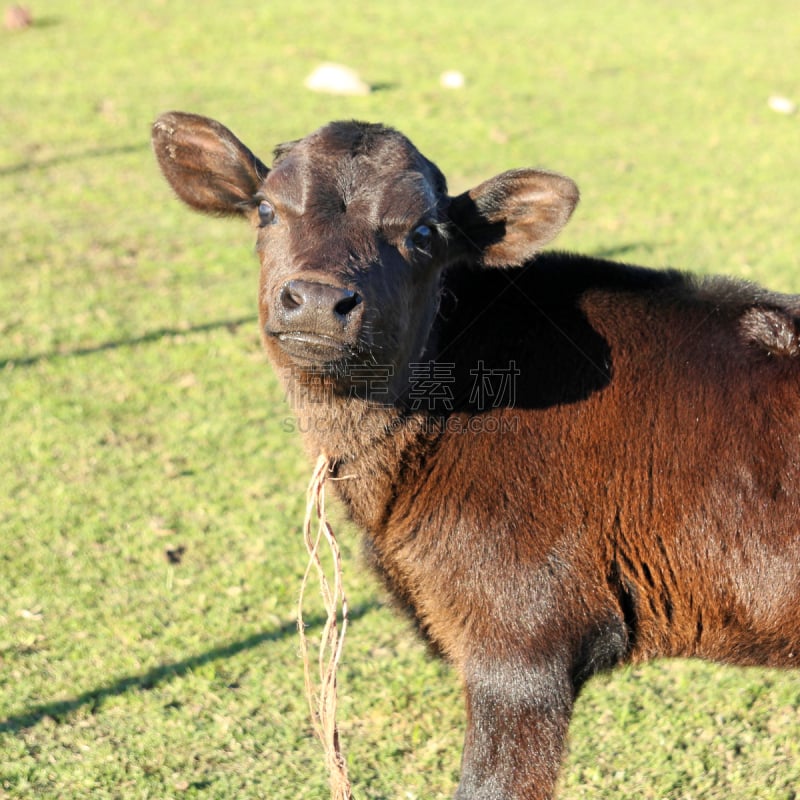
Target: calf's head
354,228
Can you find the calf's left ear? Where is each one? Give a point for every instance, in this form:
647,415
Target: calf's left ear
206,165
507,219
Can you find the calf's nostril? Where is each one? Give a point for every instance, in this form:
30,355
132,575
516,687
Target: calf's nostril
291,297
347,303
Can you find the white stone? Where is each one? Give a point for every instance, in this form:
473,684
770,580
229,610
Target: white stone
452,79
783,105
336,79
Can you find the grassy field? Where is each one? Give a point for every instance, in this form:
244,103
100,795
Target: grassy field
151,493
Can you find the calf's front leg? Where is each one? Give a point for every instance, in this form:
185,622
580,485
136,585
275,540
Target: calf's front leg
517,720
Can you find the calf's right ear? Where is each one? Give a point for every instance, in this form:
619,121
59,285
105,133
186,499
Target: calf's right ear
206,165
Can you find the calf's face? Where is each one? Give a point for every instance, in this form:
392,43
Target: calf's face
354,228
351,238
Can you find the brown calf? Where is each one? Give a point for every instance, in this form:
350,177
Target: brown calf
559,463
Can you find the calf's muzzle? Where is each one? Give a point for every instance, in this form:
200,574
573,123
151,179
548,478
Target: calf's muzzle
316,320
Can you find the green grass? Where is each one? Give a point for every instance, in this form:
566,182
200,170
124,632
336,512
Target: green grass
138,414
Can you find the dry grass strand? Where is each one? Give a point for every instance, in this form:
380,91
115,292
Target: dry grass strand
322,697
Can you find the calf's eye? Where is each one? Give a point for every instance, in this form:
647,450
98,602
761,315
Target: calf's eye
266,214
421,238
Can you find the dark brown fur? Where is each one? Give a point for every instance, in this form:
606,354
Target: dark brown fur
635,495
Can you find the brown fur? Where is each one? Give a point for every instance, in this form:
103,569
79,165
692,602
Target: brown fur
635,496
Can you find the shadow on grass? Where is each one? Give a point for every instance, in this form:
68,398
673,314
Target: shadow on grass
152,336
622,250
94,698
57,161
